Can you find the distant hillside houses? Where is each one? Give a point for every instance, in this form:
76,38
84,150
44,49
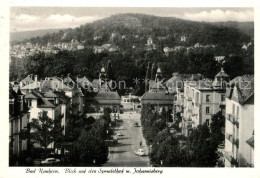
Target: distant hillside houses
28,49
245,46
167,49
105,48
184,38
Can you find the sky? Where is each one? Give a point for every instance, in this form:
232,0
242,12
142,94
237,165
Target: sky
34,18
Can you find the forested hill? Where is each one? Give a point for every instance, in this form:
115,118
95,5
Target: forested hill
25,35
167,28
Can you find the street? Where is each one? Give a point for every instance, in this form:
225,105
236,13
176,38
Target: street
122,154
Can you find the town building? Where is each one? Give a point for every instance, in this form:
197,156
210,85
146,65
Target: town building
202,99
102,95
18,120
158,95
239,127
183,38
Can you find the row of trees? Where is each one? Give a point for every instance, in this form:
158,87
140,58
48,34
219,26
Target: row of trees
199,149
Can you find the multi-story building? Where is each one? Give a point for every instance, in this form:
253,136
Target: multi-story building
202,99
175,85
18,119
239,127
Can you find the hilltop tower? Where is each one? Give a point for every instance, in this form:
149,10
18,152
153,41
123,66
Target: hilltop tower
221,79
158,76
102,74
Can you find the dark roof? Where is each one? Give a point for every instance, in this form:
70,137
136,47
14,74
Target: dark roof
244,86
12,94
107,97
157,98
49,94
54,83
42,102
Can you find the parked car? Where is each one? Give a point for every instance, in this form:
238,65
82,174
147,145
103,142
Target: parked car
112,141
139,152
50,161
136,124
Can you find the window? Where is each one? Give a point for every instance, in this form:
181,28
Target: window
237,112
233,109
197,97
207,122
207,110
29,103
207,98
223,98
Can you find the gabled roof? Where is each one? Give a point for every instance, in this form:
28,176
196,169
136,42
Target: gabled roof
83,82
42,102
27,79
31,96
49,94
244,86
54,83
32,85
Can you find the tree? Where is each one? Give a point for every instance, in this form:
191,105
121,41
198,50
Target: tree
43,130
202,148
216,126
90,145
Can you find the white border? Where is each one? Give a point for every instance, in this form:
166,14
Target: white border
5,171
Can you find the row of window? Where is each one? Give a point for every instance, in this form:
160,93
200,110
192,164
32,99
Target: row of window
207,96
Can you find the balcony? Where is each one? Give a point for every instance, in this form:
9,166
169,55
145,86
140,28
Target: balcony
232,119
231,159
234,141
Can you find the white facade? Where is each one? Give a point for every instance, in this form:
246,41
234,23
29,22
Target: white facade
239,128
